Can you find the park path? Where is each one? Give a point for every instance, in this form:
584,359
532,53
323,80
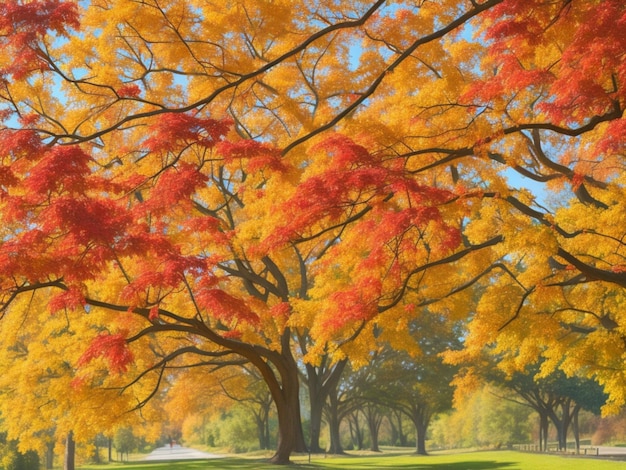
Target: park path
617,451
177,452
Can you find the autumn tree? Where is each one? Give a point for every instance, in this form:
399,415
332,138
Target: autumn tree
489,417
221,181
420,387
43,398
557,399
343,403
196,393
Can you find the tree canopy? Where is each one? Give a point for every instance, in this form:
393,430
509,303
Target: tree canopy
211,180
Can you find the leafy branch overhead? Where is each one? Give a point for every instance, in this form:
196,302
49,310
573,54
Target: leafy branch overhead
281,183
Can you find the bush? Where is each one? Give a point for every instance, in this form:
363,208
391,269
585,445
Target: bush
12,459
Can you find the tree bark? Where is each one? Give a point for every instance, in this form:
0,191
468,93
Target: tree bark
50,455
374,420
398,436
334,421
544,424
70,449
421,422
320,381
96,451
286,396
260,431
561,424
268,439
355,430
576,428
290,435
317,407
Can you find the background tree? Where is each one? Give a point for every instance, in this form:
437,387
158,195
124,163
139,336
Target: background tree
556,398
321,379
424,387
45,402
559,399
343,404
486,418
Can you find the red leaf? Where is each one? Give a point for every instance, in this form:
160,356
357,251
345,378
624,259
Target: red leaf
23,143
281,310
225,307
23,24
61,169
70,299
357,303
113,348
154,313
85,221
129,90
257,155
173,187
175,130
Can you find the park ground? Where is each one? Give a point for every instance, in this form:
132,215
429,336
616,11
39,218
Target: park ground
491,460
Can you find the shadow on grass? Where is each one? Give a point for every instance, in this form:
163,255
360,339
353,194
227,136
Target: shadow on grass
227,463
469,465
381,463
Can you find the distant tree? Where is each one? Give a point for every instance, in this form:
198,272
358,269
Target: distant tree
374,417
418,386
44,400
356,429
206,392
250,391
344,400
125,442
557,399
320,378
486,418
398,436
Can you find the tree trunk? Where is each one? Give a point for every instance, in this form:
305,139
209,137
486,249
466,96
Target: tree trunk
290,436
70,448
355,430
50,455
268,439
96,452
421,421
110,450
320,381
334,421
576,428
317,406
374,420
543,431
262,417
374,438
260,431
561,424
420,440
399,438
335,435
287,400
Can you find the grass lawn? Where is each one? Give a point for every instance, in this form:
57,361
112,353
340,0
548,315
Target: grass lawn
506,460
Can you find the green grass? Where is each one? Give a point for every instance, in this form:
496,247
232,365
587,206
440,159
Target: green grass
505,460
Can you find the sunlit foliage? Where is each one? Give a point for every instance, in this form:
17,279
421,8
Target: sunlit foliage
211,179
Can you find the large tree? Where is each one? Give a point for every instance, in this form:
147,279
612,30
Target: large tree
220,179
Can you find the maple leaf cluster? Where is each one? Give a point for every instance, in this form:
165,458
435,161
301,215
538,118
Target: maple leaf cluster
23,26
